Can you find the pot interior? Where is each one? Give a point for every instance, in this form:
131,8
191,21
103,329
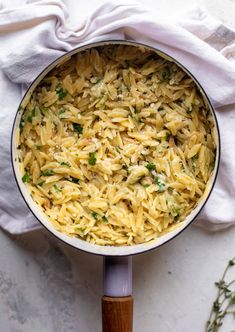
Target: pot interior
76,242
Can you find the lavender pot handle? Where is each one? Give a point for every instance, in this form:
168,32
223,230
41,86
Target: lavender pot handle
117,302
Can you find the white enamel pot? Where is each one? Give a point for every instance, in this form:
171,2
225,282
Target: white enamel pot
117,303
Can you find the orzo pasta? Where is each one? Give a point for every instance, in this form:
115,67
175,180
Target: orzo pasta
116,145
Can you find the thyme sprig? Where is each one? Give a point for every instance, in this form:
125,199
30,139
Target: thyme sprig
224,303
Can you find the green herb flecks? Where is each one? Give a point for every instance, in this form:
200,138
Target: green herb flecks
95,215
146,185
20,108
31,115
166,74
189,110
105,220
44,110
78,128
63,163
37,146
175,212
150,166
40,183
61,92
224,303
26,177
61,113
74,180
161,184
48,172
118,149
22,123
193,162
92,158
56,188
168,135
80,229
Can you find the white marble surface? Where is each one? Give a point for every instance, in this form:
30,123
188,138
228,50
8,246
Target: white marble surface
47,286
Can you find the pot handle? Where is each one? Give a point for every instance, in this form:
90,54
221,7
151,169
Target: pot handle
117,302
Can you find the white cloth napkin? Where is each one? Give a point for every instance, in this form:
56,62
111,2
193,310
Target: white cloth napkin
35,33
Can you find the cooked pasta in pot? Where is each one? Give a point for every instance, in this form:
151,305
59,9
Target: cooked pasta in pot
116,145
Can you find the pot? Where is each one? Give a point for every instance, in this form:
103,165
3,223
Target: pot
117,302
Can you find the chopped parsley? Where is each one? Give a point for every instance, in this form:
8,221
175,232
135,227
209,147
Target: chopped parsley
105,220
74,180
98,80
26,177
57,189
37,147
61,92
61,112
31,115
63,163
193,161
95,215
146,185
78,128
44,110
150,166
20,108
189,110
92,159
79,229
21,125
117,148
168,136
165,74
175,212
161,185
48,172
40,183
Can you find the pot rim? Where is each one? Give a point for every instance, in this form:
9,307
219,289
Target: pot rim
82,244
